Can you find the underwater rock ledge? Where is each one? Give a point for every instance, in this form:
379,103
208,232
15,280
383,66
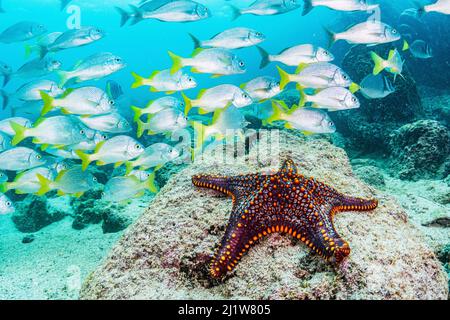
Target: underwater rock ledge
166,253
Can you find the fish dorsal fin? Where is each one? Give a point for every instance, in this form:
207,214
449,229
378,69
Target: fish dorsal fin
391,55
66,93
197,52
19,176
217,115
99,146
294,108
60,175
301,67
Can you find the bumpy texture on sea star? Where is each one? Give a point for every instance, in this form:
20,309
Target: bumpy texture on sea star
284,202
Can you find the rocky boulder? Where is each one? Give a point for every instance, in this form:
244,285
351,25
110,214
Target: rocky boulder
165,254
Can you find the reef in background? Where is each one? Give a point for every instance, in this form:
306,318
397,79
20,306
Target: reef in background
166,253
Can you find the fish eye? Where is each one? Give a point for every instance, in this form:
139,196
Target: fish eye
241,64
38,156
331,123
111,102
138,147
82,132
104,137
103,194
8,203
354,99
394,31
345,77
118,60
94,179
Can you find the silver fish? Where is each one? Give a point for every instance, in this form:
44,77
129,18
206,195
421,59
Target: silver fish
339,5
421,50
155,156
174,11
164,122
74,181
262,88
116,150
296,55
371,32
316,76
37,68
22,31
58,130
158,105
31,91
333,99
137,13
165,81
440,6
72,39
27,182
80,101
20,159
5,142
5,71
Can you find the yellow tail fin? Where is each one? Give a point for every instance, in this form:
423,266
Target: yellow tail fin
45,185
150,183
188,104
48,103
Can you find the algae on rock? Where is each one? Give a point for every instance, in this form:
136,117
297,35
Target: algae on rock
165,254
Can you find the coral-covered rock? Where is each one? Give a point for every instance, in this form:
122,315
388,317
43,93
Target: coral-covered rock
87,209
33,213
368,128
419,150
166,253
115,222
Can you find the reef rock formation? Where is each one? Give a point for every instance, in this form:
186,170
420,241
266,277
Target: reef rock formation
166,253
419,150
368,128
34,213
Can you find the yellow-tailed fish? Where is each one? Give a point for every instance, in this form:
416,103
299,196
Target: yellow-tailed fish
74,182
216,61
235,38
307,120
119,189
155,156
27,182
333,99
20,159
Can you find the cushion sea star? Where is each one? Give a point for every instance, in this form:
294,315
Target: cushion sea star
284,202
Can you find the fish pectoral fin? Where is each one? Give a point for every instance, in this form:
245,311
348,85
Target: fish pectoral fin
140,194
170,92
101,163
307,133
